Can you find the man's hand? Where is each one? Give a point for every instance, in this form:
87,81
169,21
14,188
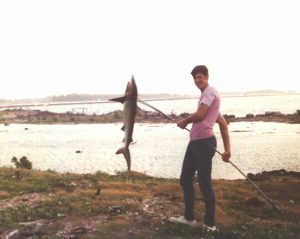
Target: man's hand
226,156
182,124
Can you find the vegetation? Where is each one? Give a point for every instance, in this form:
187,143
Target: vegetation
54,205
297,117
22,162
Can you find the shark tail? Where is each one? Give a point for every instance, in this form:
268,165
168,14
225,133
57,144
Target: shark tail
125,151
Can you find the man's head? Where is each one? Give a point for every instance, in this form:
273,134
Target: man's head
200,75
200,69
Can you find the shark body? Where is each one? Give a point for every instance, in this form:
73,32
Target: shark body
129,111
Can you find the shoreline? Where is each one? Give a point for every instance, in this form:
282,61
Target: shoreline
22,116
264,175
102,99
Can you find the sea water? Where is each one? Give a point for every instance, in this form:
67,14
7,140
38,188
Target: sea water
157,150
237,105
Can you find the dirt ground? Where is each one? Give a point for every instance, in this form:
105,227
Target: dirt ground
53,205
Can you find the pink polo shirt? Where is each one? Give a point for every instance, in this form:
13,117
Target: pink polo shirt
204,128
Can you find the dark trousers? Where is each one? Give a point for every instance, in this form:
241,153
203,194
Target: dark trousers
198,157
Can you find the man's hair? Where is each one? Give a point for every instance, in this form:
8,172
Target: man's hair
200,69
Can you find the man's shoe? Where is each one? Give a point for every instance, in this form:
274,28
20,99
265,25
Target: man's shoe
182,220
209,228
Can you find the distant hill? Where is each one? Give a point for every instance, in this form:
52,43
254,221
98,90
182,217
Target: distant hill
259,93
89,98
95,97
270,92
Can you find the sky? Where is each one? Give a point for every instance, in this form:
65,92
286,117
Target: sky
56,47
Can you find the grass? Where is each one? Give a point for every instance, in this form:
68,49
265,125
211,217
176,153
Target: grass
137,206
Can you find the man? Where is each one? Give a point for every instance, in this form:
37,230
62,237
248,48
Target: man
201,149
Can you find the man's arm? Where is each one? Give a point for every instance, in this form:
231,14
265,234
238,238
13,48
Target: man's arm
225,137
195,117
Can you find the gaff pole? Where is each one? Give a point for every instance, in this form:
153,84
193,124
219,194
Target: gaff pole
248,179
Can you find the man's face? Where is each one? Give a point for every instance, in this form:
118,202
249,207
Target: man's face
201,81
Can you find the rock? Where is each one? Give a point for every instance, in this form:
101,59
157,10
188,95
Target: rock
80,231
249,116
14,235
229,117
33,228
273,113
254,202
259,176
115,209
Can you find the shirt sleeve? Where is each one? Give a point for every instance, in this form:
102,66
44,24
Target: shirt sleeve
208,98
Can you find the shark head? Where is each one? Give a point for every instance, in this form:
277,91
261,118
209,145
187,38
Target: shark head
131,93
131,89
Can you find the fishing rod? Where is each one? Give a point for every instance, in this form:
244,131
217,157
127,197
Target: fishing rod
162,113
249,180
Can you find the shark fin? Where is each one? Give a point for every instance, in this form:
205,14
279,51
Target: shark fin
119,99
125,151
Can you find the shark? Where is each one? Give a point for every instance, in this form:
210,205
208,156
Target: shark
129,100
